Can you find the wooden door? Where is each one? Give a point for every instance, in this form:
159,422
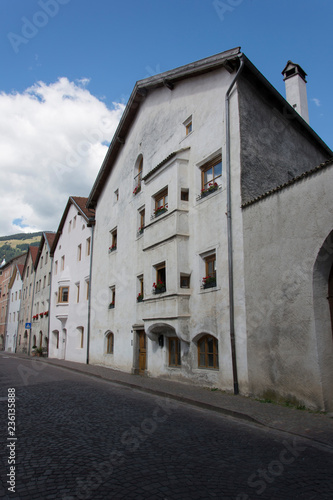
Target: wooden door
142,351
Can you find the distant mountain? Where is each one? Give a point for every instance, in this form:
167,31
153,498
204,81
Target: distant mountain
16,244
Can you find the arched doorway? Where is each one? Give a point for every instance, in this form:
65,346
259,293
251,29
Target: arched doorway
323,317
330,295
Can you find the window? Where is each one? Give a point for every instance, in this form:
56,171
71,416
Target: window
49,279
161,202
142,215
116,195
69,226
109,343
41,262
174,351
113,240
188,124
113,297
184,194
63,294
138,175
140,296
160,285
62,263
44,282
87,289
184,281
211,173
208,355
56,267
88,240
81,336
46,257
79,251
77,292
209,280
74,222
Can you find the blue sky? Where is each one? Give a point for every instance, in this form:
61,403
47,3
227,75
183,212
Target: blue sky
95,51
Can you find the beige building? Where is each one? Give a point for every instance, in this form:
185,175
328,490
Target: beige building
42,288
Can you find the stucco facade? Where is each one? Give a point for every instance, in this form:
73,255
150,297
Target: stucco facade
15,290
289,326
71,253
28,288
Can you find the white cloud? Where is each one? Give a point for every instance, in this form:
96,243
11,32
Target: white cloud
52,142
316,101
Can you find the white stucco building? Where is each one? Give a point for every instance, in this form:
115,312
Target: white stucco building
175,258
15,290
71,254
27,296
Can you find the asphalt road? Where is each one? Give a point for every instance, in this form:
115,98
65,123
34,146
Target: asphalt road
81,437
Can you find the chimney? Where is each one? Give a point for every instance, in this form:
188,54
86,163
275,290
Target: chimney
295,81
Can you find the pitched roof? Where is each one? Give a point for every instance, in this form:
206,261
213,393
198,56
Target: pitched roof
80,203
294,180
47,238
229,60
20,268
34,252
50,238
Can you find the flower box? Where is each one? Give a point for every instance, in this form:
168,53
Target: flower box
161,210
139,298
141,230
113,248
159,287
111,306
212,187
137,189
208,282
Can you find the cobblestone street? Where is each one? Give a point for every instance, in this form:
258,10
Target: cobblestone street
80,437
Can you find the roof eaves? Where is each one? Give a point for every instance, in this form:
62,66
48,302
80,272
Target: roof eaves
294,180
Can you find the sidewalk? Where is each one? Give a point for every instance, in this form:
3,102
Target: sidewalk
315,426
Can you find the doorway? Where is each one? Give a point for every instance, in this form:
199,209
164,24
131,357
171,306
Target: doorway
142,341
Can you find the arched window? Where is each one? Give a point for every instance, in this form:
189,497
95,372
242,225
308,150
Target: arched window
138,174
34,342
208,354
109,343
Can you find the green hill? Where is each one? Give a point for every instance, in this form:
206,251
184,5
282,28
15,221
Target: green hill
16,244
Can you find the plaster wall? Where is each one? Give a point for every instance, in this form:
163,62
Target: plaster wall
290,354
180,238
71,318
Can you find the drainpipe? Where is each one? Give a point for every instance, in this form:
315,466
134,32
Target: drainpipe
89,295
229,228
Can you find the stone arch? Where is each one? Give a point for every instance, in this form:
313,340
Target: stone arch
322,304
108,342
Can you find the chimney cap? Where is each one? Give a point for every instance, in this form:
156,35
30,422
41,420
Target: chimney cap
292,69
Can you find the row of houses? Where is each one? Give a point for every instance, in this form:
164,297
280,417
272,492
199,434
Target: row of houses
204,252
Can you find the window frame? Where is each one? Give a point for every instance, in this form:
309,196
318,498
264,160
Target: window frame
206,353
177,352
207,166
60,294
161,208
109,343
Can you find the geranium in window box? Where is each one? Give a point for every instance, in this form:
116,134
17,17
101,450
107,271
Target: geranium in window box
140,230
159,287
111,306
112,248
46,314
41,315
209,282
212,186
137,189
139,297
161,210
